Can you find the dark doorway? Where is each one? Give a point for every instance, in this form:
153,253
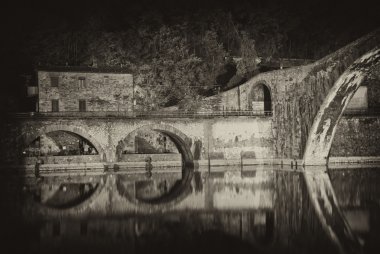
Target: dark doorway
82,105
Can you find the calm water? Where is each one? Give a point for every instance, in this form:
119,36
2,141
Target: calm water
226,210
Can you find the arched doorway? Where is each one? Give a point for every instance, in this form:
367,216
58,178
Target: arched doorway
259,99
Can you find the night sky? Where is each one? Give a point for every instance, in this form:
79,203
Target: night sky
21,20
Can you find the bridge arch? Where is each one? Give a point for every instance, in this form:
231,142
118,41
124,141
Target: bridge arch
182,188
324,126
260,97
27,138
182,142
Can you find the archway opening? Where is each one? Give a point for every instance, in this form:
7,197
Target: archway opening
61,147
63,192
260,100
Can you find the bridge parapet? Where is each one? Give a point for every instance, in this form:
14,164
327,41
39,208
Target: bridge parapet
141,114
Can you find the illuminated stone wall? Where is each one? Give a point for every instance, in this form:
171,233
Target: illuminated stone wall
101,91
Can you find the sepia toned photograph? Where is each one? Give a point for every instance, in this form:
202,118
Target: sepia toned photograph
190,127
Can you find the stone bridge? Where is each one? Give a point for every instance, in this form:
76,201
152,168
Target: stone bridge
306,102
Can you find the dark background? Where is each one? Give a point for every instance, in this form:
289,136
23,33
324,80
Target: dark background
309,29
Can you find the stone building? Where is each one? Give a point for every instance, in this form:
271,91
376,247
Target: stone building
84,89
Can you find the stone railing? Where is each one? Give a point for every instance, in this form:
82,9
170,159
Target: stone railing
142,114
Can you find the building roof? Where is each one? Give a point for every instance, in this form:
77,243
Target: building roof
103,69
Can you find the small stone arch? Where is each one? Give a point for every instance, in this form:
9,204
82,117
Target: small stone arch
182,142
260,97
27,138
324,126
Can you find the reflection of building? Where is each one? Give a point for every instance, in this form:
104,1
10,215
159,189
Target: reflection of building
84,89
145,232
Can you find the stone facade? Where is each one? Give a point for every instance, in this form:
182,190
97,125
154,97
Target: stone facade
99,91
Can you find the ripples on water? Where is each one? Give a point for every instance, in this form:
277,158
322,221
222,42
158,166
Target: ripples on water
224,211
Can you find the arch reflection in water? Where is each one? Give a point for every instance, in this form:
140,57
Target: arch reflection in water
358,195
59,147
262,211
156,188
271,213
64,192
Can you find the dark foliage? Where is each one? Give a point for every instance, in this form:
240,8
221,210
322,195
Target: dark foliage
178,50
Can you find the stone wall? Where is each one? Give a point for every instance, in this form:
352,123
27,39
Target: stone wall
356,136
148,141
101,91
228,139
154,157
63,159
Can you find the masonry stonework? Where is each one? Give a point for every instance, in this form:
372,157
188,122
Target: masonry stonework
220,138
100,91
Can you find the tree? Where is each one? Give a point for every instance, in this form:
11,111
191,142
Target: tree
249,59
172,76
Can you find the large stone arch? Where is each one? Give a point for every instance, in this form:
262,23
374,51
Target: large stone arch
324,126
27,138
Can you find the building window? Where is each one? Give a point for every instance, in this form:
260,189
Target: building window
54,105
54,81
82,105
82,82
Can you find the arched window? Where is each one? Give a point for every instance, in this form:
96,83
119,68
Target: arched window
259,100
